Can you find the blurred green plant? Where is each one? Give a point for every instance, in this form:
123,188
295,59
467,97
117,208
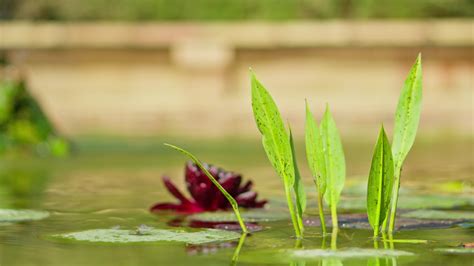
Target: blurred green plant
23,125
212,10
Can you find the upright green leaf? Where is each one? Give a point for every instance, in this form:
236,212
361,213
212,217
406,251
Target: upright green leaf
379,188
276,142
298,187
226,194
407,116
316,161
334,158
274,136
315,151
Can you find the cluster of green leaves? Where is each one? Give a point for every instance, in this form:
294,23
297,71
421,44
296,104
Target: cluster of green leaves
385,171
24,126
326,161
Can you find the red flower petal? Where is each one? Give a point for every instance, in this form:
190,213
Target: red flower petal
174,190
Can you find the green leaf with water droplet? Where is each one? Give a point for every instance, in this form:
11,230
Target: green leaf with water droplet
10,215
379,188
121,236
276,142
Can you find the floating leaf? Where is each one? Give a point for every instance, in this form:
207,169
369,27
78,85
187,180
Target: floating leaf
413,202
275,140
379,188
298,187
347,253
9,215
443,215
121,236
455,250
250,216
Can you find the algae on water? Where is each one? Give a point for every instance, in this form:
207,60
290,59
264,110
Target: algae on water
24,127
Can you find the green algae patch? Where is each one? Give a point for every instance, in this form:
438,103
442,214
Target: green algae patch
123,236
251,216
350,253
10,215
437,214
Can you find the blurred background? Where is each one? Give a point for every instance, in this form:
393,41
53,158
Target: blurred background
149,68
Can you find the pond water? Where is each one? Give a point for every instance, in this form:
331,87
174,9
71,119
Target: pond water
112,183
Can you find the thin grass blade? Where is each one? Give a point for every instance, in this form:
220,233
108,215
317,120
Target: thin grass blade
298,187
231,200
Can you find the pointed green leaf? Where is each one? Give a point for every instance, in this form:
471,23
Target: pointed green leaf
334,158
298,186
407,115
274,136
315,152
379,189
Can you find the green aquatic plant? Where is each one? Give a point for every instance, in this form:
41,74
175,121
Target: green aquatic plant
24,127
277,145
327,162
231,200
379,188
298,187
407,118
316,162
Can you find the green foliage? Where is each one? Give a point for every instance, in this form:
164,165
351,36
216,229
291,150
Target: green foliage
407,118
217,10
276,142
379,188
229,197
335,163
24,126
298,187
316,161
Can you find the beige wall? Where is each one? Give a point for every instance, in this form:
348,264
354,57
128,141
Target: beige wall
193,79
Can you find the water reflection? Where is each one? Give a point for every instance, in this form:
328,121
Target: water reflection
377,261
22,188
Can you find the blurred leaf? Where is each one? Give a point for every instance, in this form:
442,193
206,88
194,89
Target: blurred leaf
10,215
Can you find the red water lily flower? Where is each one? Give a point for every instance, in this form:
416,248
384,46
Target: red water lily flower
205,195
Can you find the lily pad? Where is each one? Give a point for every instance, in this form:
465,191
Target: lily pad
352,253
455,250
10,215
413,202
435,214
251,216
121,236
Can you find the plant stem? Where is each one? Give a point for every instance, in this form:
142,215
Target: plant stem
334,233
226,194
335,224
393,211
235,257
291,207
321,212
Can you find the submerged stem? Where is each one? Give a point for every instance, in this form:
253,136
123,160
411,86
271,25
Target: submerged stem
291,207
321,212
334,233
235,257
226,194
